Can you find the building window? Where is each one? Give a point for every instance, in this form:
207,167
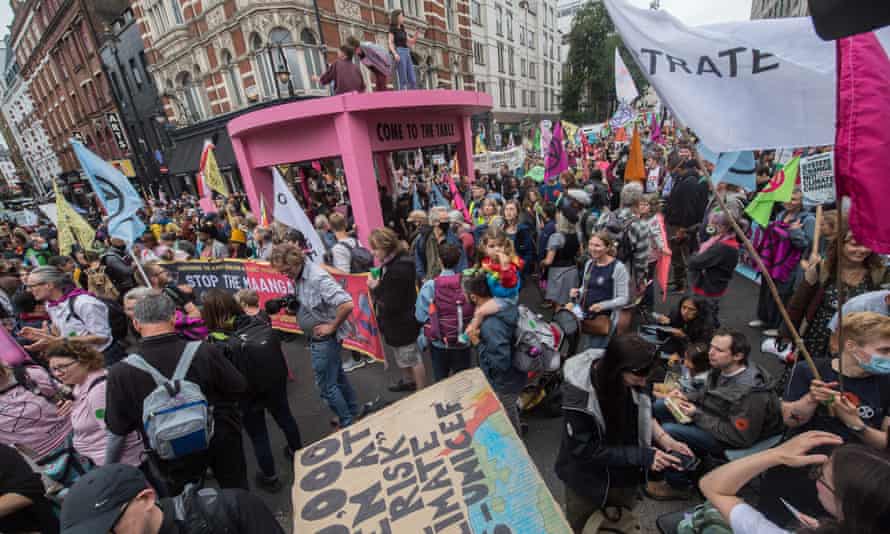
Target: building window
510,25
476,12
502,89
233,82
511,63
410,7
193,103
500,57
532,70
533,99
498,20
546,100
522,67
522,31
531,39
144,65
176,9
480,86
523,98
479,53
136,73
450,13
312,55
512,93
264,74
284,55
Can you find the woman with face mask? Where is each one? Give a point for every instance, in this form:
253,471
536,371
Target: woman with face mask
861,414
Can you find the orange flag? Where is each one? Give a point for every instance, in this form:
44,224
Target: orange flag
620,135
635,169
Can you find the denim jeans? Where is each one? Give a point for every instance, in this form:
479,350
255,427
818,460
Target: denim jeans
407,76
700,441
254,410
449,361
331,380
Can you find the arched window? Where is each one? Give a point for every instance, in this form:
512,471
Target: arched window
192,97
264,71
312,55
284,53
233,79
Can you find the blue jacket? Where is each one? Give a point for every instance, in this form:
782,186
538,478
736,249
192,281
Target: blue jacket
495,350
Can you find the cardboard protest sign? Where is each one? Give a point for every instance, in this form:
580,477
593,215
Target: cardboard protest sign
232,275
817,179
444,460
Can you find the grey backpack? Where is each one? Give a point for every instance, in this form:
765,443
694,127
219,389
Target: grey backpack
176,417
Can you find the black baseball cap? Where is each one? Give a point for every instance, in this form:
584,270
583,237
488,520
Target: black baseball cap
96,501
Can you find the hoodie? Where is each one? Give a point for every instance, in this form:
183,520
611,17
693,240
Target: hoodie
586,462
712,268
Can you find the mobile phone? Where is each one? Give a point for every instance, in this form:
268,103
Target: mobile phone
794,511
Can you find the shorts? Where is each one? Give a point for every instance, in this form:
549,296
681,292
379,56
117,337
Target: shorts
406,356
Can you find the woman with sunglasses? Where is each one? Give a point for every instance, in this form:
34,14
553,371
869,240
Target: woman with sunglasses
609,438
82,367
852,486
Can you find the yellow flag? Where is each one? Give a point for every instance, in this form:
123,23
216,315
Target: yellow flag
71,226
570,130
480,146
210,170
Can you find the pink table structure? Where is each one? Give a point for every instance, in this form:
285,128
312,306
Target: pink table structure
355,127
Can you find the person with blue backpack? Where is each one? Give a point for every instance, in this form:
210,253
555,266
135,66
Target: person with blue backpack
183,398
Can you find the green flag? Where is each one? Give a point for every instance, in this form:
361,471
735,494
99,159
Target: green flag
779,189
536,173
537,139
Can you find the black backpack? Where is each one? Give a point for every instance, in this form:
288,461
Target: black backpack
255,350
202,511
619,231
360,259
117,319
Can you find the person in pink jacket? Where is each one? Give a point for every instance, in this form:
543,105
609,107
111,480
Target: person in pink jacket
81,367
33,411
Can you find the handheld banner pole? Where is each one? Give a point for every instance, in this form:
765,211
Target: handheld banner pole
139,267
774,292
841,290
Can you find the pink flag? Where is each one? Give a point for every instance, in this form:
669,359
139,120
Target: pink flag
316,165
663,266
557,160
862,142
11,353
456,199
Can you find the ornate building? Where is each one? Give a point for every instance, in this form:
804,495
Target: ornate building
211,57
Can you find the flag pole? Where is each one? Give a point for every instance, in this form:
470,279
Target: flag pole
139,267
841,290
764,273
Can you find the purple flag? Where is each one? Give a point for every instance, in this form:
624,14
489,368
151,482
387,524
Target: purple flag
557,160
11,353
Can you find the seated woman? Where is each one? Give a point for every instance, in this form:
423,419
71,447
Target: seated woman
609,436
860,415
851,484
690,321
603,293
82,367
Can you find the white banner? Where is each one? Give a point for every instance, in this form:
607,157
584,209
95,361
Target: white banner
490,162
624,82
288,211
817,179
740,85
51,212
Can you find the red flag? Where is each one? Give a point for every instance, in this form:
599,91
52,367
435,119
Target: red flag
862,142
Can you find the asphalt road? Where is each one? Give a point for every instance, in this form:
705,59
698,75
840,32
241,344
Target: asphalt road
542,440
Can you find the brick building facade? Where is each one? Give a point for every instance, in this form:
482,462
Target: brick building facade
56,43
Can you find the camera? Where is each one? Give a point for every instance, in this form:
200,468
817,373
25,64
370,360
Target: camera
289,303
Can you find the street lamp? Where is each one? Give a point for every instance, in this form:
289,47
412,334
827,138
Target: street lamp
524,5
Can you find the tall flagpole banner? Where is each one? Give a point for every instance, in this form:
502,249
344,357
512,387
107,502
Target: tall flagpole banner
625,88
287,211
115,192
739,85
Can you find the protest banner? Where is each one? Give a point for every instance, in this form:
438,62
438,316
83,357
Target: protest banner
817,179
232,275
445,459
490,162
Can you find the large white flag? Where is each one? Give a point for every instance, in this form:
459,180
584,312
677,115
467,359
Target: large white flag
738,85
624,82
288,211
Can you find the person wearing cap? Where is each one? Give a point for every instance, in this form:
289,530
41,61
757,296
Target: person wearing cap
117,498
461,229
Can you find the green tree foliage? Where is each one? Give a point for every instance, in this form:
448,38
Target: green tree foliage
588,91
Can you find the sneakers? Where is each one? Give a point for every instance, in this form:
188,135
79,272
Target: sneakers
352,365
662,491
271,485
772,332
756,323
780,349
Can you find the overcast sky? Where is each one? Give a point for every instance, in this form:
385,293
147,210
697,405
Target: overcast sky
698,12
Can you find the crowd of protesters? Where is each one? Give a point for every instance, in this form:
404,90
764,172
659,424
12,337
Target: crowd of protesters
587,241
